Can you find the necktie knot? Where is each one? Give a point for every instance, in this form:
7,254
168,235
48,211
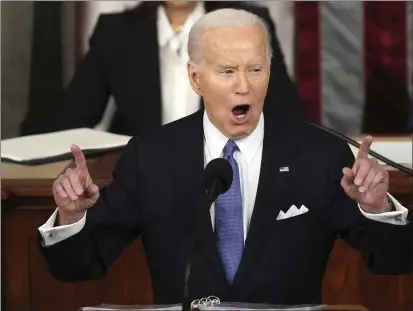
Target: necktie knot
229,149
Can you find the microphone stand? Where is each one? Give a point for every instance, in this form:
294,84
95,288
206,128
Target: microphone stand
210,197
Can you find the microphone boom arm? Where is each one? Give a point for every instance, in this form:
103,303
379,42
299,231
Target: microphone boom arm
373,153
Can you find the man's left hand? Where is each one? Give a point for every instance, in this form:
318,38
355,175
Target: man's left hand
367,182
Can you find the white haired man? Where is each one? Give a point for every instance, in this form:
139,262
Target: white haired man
257,246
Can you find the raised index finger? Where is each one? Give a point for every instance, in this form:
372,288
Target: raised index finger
79,157
365,147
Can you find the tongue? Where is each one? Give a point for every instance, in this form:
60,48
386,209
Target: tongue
238,112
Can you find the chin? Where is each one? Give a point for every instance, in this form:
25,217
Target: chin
240,132
241,128
178,4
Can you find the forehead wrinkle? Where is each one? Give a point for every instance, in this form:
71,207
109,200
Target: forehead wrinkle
220,48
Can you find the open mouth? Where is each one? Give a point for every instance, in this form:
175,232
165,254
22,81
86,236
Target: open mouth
240,111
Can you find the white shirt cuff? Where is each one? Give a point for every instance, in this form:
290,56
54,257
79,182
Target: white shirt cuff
52,235
397,217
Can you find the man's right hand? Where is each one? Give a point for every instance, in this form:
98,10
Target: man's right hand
74,191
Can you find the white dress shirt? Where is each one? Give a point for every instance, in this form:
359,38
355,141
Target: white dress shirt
249,162
178,98
248,158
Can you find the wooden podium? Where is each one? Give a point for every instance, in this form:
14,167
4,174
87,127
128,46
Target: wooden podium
325,308
27,284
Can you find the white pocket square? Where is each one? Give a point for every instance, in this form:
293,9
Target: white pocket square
292,212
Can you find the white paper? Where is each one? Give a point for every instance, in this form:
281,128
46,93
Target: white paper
43,146
397,151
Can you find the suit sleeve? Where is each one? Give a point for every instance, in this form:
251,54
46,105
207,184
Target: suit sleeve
85,98
282,94
111,224
386,248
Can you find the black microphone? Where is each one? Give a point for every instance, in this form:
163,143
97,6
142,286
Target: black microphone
218,177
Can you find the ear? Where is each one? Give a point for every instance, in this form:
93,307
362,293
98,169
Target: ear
194,75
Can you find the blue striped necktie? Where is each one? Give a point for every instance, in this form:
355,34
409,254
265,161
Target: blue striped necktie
228,219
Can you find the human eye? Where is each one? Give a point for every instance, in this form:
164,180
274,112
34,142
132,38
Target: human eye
227,71
256,69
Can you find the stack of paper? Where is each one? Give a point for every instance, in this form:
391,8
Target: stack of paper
43,171
397,151
55,146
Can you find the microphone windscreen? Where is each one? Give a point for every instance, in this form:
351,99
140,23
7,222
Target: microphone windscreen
218,169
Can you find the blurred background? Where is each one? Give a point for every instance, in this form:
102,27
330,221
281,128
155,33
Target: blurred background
351,60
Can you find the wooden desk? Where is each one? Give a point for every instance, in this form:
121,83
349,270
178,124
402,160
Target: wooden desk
27,284
346,307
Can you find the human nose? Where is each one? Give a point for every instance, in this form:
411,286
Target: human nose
242,86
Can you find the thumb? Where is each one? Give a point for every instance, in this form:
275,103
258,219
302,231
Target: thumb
347,180
92,191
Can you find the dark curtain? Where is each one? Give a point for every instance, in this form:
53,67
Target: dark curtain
307,58
387,99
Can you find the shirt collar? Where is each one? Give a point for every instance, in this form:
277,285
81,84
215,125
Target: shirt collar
248,146
165,30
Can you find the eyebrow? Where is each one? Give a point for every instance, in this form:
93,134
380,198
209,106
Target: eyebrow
223,65
227,65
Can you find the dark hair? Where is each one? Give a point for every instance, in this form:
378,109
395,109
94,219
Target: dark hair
152,4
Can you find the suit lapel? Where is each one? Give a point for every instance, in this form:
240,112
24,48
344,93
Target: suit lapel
279,147
188,172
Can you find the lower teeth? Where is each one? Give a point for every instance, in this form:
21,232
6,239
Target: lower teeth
240,116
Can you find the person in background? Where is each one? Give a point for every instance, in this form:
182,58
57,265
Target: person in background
139,57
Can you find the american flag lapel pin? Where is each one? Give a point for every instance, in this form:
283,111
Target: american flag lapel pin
284,169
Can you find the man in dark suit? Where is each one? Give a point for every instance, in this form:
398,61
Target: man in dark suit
295,189
133,58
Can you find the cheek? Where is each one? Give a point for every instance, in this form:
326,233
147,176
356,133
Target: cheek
262,90
260,87
217,88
